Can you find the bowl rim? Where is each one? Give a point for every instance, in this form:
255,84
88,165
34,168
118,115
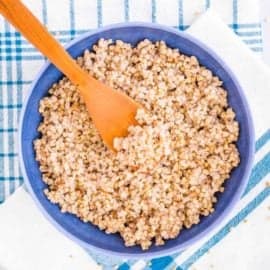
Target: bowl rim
217,222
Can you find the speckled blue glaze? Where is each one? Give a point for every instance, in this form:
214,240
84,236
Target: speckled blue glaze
90,236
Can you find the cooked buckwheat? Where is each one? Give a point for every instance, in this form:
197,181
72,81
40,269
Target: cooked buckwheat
166,172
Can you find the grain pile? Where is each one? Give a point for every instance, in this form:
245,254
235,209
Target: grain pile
165,174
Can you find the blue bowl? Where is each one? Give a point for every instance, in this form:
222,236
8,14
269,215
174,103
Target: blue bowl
88,235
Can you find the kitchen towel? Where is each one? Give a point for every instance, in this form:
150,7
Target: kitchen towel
250,227
66,19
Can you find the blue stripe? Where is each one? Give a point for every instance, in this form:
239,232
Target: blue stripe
262,140
207,3
249,34
2,130
1,92
11,170
29,48
81,31
60,32
11,106
253,41
226,229
44,12
126,4
8,154
235,15
131,262
99,12
61,35
2,186
258,172
11,178
34,57
67,32
17,54
20,58
19,88
72,18
181,25
9,115
154,11
124,266
161,263
244,25
17,82
19,79
257,49
2,192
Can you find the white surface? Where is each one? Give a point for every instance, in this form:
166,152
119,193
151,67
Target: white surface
251,72
29,242
265,18
245,247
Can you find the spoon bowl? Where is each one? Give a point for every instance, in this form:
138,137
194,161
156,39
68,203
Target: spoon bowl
88,235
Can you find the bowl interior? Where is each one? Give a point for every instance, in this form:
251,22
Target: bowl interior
86,233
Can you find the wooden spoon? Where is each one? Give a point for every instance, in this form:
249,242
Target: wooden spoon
112,112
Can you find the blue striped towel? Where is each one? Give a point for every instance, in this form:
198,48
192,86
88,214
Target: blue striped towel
19,61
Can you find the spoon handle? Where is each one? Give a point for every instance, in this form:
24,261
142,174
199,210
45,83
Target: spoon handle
22,19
